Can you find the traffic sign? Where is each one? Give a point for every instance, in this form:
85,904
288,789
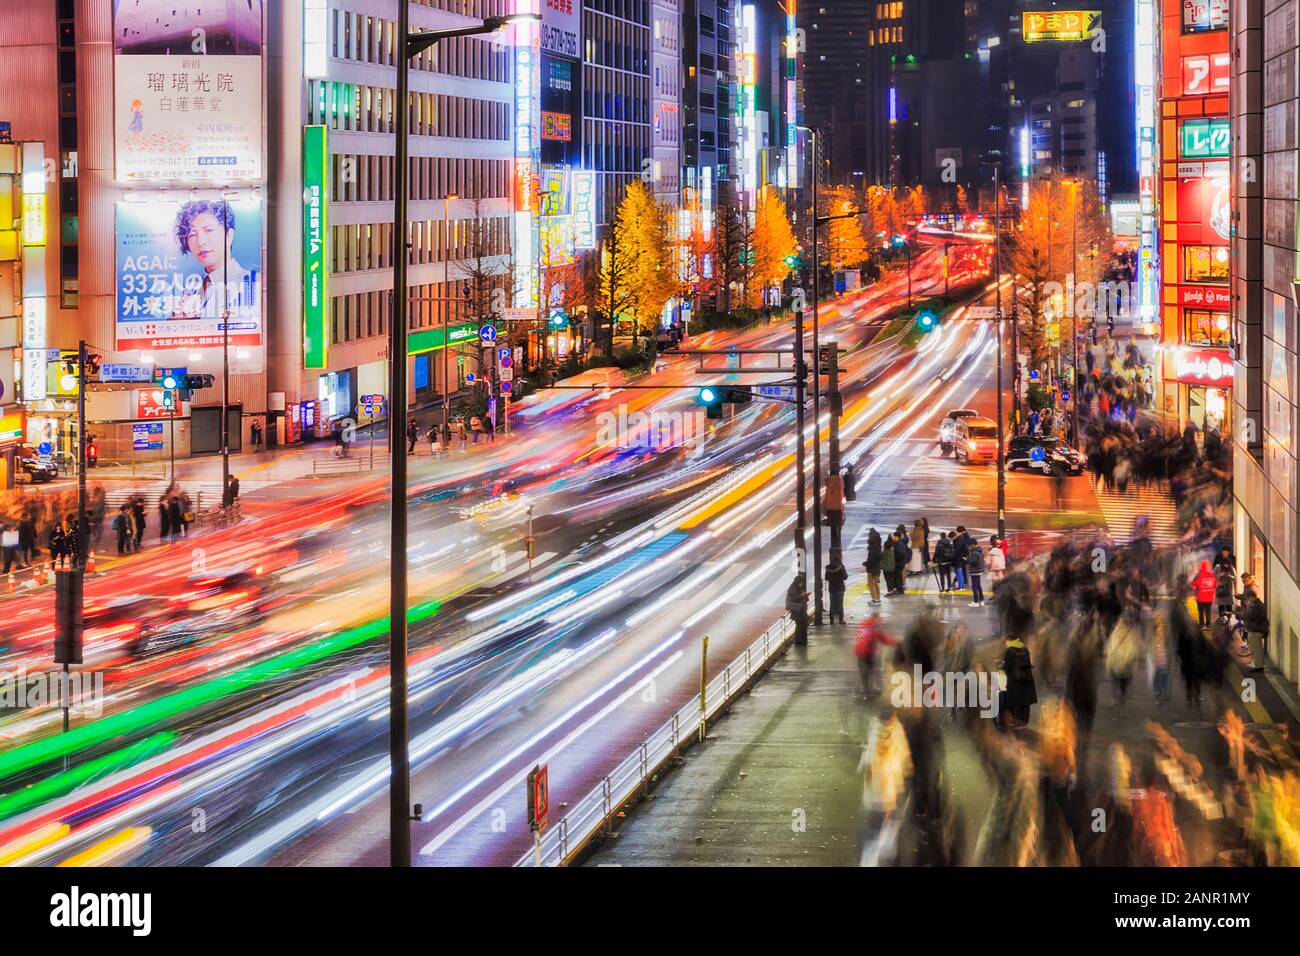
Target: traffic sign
507,375
44,448
470,378
539,798
505,356
375,399
780,393
488,334
733,361
505,388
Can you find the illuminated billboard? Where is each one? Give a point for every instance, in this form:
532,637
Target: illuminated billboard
315,300
187,91
584,209
1205,138
1202,15
171,260
1059,25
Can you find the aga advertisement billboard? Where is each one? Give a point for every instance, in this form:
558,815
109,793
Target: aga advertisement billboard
188,91
171,258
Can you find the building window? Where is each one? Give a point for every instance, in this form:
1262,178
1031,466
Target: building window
1202,327
1205,263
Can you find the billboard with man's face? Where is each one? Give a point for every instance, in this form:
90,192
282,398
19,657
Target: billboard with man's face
185,268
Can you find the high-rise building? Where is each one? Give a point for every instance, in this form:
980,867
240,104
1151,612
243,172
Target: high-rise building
1193,210
222,199
616,93
1263,273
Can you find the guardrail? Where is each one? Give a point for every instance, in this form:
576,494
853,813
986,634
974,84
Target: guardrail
338,466
595,811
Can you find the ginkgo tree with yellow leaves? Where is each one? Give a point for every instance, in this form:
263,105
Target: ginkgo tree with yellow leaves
846,246
772,245
640,271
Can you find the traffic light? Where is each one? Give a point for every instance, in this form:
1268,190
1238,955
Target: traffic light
69,621
168,397
711,399
926,320
558,320
196,381
737,396
170,382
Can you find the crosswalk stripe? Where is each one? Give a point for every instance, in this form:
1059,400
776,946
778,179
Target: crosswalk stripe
1121,512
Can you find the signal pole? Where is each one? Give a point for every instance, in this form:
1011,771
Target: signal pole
997,285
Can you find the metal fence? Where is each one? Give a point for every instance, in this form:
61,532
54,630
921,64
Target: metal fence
595,811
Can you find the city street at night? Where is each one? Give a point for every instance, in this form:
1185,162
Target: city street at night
641,435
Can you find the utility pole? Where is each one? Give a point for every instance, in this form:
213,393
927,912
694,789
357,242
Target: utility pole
1074,320
834,481
800,527
225,353
399,801
997,285
818,604
83,528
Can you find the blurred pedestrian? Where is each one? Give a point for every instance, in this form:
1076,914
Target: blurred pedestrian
871,638
490,428
1254,618
943,562
796,603
887,558
138,514
175,518
920,548
1021,692
412,435
164,518
122,527
996,562
975,568
1122,651
836,580
872,564
1205,584
902,556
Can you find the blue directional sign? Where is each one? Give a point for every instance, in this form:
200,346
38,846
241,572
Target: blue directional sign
780,393
470,378
488,334
44,448
1036,453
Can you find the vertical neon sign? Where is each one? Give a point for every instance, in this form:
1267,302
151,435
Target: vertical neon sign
315,302
791,98
528,122
1144,68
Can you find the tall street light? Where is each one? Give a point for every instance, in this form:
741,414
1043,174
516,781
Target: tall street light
398,730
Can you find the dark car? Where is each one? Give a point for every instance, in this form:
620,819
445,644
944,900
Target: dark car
36,469
213,602
1043,454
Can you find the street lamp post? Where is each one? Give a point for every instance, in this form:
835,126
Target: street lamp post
818,606
225,353
997,285
398,731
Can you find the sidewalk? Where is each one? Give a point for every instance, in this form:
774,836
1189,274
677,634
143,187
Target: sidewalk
776,783
777,780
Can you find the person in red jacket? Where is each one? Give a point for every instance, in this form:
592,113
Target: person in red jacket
1205,585
871,636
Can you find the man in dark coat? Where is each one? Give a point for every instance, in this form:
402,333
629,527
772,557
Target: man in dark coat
796,602
1021,691
872,565
837,577
902,555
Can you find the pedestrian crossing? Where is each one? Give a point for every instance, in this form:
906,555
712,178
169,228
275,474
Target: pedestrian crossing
1122,511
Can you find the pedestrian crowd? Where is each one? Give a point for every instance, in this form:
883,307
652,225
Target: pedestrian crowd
1071,622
